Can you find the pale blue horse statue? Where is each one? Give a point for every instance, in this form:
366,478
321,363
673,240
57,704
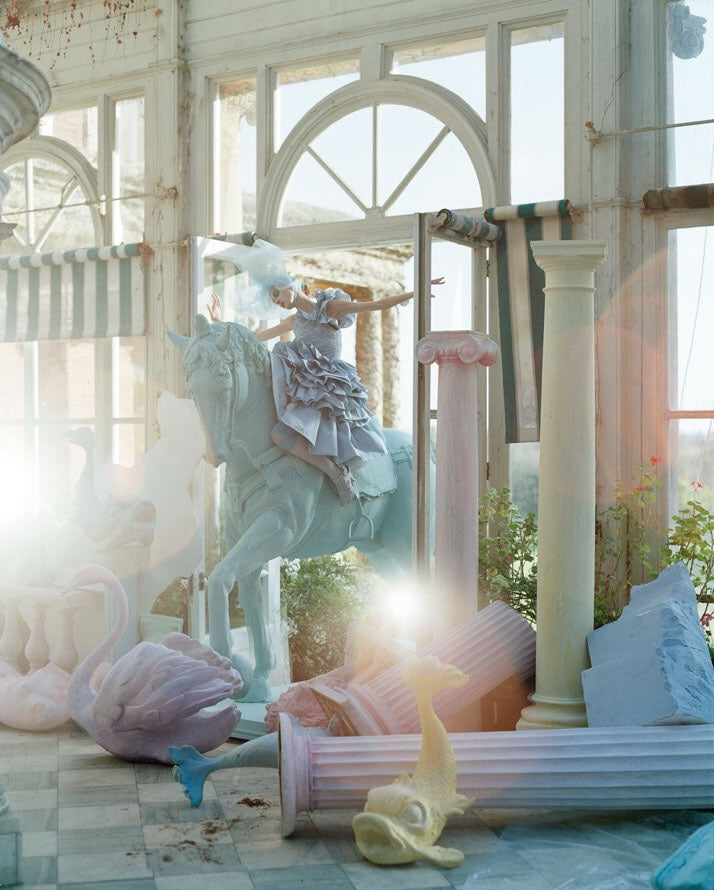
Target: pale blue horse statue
275,503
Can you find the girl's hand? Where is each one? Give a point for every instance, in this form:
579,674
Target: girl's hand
437,280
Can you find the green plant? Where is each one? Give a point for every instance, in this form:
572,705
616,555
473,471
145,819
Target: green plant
691,540
320,597
625,532
508,552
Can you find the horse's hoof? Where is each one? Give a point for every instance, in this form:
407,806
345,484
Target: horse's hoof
245,669
258,691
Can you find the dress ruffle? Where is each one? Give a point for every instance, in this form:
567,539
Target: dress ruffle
322,399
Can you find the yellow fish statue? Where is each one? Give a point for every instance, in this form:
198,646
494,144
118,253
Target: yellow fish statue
401,822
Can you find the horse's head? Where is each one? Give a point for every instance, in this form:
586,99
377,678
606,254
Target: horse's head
217,361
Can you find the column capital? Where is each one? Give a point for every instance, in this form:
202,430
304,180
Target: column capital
580,256
466,347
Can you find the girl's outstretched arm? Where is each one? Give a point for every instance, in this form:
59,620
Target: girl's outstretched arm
336,308
282,327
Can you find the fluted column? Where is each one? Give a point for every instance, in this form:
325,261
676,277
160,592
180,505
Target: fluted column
566,491
617,768
458,355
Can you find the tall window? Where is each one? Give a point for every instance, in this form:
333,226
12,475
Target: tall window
234,156
71,189
691,397
690,65
537,98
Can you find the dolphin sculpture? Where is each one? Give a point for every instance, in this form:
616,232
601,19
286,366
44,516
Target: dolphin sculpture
401,822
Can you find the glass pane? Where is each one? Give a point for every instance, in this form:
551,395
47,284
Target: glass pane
59,465
15,478
127,443
346,147
460,67
537,128
523,476
234,157
450,311
129,367
447,179
693,457
78,127
691,63
398,155
66,380
38,188
693,318
298,89
12,381
312,196
128,170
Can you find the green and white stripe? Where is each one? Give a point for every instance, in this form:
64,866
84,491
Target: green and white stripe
72,295
519,282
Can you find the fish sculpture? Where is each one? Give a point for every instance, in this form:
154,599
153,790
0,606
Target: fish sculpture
401,822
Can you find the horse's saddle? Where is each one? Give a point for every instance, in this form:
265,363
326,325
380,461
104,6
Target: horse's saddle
375,477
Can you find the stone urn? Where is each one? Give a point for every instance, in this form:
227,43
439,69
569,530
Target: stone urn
24,97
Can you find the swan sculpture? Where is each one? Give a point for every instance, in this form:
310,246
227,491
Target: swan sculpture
156,695
401,822
36,701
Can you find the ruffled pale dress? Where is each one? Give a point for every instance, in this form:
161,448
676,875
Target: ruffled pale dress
317,394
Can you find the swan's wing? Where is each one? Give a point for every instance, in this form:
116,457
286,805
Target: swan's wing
194,649
153,686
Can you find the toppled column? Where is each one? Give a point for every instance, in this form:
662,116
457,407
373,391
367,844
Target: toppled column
652,666
493,646
622,768
566,492
458,355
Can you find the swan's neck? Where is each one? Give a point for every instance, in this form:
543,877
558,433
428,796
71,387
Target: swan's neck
86,669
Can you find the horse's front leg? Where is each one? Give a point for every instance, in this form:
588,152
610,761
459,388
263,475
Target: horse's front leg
267,537
250,598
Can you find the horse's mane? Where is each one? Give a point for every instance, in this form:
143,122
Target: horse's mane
243,346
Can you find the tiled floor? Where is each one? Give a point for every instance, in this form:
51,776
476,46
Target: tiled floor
90,821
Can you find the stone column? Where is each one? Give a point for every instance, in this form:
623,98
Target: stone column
458,355
566,494
607,769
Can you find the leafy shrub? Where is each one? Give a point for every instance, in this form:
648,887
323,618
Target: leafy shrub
320,597
624,533
508,565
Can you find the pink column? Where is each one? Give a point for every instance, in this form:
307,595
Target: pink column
604,768
458,354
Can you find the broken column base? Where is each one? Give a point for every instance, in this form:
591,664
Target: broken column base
602,768
10,848
495,646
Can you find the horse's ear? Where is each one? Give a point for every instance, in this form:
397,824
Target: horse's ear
202,325
179,340
224,341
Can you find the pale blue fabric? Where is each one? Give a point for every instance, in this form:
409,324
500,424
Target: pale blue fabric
317,394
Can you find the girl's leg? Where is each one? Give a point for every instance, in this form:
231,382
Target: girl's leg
294,443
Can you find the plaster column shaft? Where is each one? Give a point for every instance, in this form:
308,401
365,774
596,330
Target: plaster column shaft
614,768
566,492
458,355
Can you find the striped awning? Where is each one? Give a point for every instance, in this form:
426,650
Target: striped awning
75,294
519,282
